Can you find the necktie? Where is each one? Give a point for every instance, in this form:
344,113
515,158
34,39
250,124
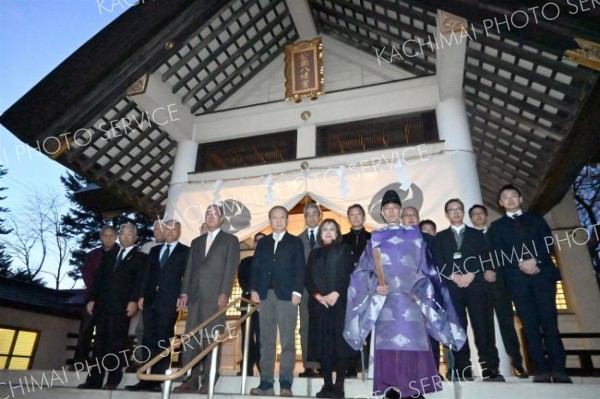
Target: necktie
311,239
119,259
276,237
209,241
458,237
165,256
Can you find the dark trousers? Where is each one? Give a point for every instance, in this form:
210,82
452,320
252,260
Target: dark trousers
502,304
159,323
474,300
253,343
110,349
535,302
328,365
196,344
435,349
86,333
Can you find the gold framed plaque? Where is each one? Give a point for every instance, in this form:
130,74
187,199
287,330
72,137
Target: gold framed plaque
304,70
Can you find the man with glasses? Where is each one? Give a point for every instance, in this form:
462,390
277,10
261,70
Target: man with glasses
458,251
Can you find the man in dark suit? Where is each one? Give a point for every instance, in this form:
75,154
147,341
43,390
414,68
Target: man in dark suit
520,241
428,226
114,300
207,285
277,283
357,238
244,273
457,252
106,252
160,291
500,299
312,217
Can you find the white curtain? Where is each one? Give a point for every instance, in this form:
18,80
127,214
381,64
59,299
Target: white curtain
426,185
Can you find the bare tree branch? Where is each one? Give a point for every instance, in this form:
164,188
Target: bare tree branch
37,241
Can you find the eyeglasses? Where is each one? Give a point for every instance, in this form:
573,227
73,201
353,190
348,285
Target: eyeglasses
455,210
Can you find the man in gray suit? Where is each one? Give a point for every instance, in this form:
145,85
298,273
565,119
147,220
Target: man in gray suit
312,217
207,284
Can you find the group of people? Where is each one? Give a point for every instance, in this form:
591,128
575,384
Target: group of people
405,287
122,280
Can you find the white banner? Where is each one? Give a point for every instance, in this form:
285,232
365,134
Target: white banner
425,183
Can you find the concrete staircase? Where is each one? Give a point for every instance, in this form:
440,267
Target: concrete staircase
59,384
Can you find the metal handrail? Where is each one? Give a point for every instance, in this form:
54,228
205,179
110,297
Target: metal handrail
169,376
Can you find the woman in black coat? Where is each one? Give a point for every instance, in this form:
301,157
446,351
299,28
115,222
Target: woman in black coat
327,279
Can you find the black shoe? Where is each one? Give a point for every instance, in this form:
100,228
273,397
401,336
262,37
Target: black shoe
561,378
494,377
110,387
339,392
520,372
542,378
328,391
307,373
351,373
391,393
144,386
89,385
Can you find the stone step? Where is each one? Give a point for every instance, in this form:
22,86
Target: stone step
59,384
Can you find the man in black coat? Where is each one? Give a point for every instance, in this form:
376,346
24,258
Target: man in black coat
357,239
358,236
244,273
523,243
501,301
107,252
277,283
113,300
459,253
160,291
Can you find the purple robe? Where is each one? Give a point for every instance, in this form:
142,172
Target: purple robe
405,316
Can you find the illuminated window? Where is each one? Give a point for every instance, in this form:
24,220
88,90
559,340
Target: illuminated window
236,292
561,299
17,348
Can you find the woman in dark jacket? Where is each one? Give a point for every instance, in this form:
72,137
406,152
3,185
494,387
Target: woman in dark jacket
327,279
